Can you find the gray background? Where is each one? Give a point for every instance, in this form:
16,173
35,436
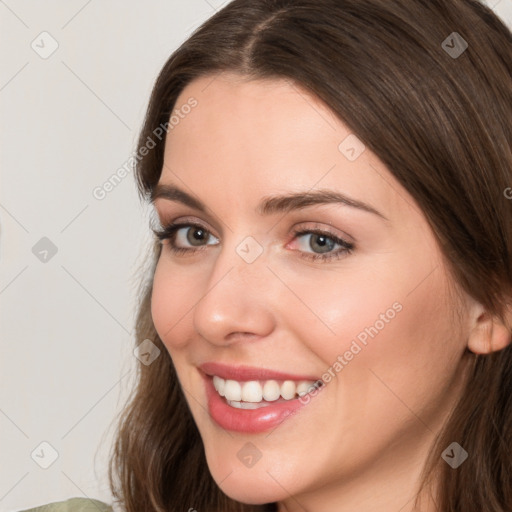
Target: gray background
69,120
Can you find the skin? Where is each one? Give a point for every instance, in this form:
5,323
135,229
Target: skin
360,443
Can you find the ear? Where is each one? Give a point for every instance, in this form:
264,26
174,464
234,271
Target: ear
489,333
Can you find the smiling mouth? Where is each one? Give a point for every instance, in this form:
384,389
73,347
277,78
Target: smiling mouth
254,406
254,394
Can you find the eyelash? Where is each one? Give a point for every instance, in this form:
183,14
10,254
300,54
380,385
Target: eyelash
168,232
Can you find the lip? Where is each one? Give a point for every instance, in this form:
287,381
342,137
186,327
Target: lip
244,373
250,420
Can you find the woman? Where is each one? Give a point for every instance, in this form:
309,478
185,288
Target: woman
331,277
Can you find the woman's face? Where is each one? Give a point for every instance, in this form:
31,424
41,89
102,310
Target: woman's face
375,322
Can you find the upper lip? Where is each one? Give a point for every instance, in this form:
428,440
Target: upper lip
245,373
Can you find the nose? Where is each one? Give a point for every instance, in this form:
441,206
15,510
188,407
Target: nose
237,301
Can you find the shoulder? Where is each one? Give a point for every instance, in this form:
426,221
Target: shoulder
73,505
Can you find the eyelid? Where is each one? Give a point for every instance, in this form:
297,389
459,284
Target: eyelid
318,226
165,216
186,220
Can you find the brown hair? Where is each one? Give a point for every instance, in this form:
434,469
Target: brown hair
441,123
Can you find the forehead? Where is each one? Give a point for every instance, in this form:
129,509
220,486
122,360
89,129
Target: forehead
263,108
269,136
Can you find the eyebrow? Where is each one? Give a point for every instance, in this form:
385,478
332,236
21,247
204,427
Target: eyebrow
270,204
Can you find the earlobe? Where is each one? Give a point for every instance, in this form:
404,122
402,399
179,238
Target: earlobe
489,334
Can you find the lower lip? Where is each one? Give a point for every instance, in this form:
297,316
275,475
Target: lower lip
249,420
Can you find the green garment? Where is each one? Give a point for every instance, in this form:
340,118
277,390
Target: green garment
73,505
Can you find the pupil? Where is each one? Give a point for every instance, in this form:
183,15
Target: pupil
323,242
198,235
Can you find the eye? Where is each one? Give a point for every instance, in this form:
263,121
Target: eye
322,243
181,235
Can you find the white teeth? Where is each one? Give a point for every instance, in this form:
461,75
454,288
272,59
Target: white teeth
233,390
219,384
251,391
303,388
288,389
271,390
240,394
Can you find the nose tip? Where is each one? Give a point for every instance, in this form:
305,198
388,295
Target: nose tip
235,304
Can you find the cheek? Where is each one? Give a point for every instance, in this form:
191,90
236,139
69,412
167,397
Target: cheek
340,310
400,353
388,319
172,299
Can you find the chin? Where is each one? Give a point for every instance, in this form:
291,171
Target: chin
248,491
251,486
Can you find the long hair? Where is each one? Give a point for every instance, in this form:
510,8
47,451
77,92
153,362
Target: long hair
438,114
